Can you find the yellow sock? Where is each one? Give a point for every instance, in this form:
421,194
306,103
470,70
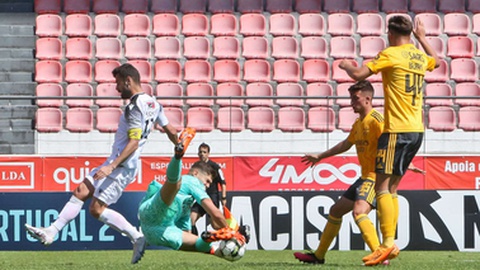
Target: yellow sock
385,207
369,233
396,210
329,233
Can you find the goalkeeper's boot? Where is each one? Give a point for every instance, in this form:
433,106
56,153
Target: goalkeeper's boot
184,140
40,234
308,257
220,234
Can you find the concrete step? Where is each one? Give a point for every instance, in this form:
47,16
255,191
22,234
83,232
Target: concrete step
17,42
24,53
5,148
25,7
18,88
17,30
21,124
17,137
16,77
17,65
22,149
18,112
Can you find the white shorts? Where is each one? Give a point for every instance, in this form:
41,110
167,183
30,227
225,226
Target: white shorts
110,188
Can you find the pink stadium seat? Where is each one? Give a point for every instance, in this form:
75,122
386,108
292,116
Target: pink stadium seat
343,47
346,118
473,6
442,119
256,70
168,71
371,46
286,70
103,70
293,90
108,90
284,47
49,90
223,24
343,94
226,71
422,6
144,68
76,6
365,6
198,6
49,120
107,25
311,24
261,119
469,118
456,24
134,6
388,16
460,47
229,89
136,25
78,71
79,120
79,90
438,89
278,6
221,6
147,88
200,118
167,48
338,6
226,47
47,71
108,119
439,74
450,6
370,24
464,70
170,90
438,44
253,24
432,23
394,6
166,25
197,71
308,6
196,47
291,119
249,6
163,6
48,25
316,70
106,6
319,90
78,25
78,49
108,48
175,117
282,24
340,24
378,99
467,89
476,24
47,6
195,25
138,48
230,119
321,119
48,49
259,89
340,75
314,47
255,47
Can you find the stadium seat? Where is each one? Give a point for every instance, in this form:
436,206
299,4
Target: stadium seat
286,70
78,25
316,70
138,48
226,47
438,44
49,120
76,6
284,47
289,89
394,6
79,90
249,6
108,90
456,24
200,118
308,6
167,48
261,119
103,71
291,119
165,25
314,47
476,24
223,24
144,68
49,90
106,6
450,6
460,47
107,25
337,6
346,118
136,25
255,47
343,47
198,6
170,90
423,6
47,6
168,71
321,119
440,74
378,95
319,89
340,24
78,49
78,71
175,117
147,88
108,119
442,119
134,6
388,16
195,25
365,6
467,89
226,71
48,48
48,25
432,23
282,24
221,6
108,48
163,6
310,24
256,70
473,6
229,89
197,71
371,46
340,75
438,89
230,119
469,118
259,89
370,24
196,47
343,94
47,71
253,25
464,70
278,6
79,120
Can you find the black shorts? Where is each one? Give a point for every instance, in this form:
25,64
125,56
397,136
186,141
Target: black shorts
197,208
362,189
395,152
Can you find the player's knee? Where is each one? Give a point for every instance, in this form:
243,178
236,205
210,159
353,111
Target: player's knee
95,211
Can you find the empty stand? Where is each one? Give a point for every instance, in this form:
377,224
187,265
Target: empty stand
48,49
106,6
47,71
253,25
371,46
340,75
459,47
107,25
282,24
284,47
78,71
78,48
365,6
314,47
432,23
79,90
456,24
378,99
49,120
323,90
476,24
226,71
463,70
166,25
291,119
197,6
170,90
196,47
438,44
108,90
311,24
438,89
103,70
467,89
47,6
221,6
259,89
78,25
200,118
175,117
79,120
442,119
49,90
134,6
195,25
76,6
394,6
469,118
423,6
308,6
293,90
144,68
255,47
136,25
108,48
223,24
337,6
197,71
370,24
226,47
138,48
167,48
286,70
316,70
440,74
321,119
473,6
168,71
108,119
340,24
229,89
343,47
450,6
230,119
343,94
249,6
346,118
48,25
256,70
147,88
278,6
261,119
163,6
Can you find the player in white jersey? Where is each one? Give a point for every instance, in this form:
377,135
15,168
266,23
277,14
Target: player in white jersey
106,183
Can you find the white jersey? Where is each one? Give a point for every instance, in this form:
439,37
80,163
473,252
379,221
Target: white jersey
142,113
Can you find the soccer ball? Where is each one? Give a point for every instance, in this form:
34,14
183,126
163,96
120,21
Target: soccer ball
232,250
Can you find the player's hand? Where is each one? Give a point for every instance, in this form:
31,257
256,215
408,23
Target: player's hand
419,30
103,172
311,159
220,234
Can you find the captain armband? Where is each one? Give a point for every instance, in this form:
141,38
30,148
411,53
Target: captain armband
135,133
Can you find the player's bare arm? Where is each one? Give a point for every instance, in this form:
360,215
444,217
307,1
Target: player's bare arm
312,159
419,33
218,220
356,73
130,148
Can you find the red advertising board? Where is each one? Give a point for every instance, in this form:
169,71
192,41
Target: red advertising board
20,173
452,173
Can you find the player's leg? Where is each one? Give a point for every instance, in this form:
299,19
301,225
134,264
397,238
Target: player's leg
196,213
364,203
171,187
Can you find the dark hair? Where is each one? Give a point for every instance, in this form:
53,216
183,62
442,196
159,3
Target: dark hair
364,86
400,25
204,167
204,145
126,70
